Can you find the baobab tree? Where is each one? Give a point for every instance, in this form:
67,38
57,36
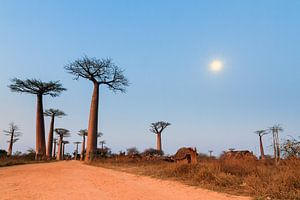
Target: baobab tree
64,142
158,128
83,133
14,135
99,72
76,149
210,153
52,113
54,145
261,133
38,88
276,129
62,133
102,142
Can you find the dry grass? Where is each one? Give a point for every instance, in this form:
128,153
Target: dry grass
18,160
262,180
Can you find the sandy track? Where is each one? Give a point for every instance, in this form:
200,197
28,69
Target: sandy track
74,180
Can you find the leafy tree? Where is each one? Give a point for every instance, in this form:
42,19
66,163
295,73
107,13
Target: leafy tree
291,148
132,151
52,113
38,88
14,135
158,128
99,72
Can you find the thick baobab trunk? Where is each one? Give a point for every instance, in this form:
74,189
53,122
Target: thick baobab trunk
91,146
59,151
11,141
40,130
54,149
50,138
82,148
158,140
262,154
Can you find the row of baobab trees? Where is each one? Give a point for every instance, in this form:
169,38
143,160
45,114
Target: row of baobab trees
14,135
99,72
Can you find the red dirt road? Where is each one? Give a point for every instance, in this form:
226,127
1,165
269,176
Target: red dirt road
75,180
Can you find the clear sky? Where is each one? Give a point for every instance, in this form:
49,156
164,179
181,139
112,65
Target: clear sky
165,48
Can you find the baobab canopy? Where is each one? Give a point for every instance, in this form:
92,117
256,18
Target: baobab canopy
101,71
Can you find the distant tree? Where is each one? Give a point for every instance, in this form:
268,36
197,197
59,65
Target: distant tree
64,142
62,133
276,129
261,133
83,133
14,134
76,149
3,153
52,113
38,88
132,151
210,153
102,142
158,128
291,148
100,72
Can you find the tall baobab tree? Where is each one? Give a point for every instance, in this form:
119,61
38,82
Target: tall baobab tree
76,149
276,129
54,147
38,88
158,128
52,113
83,133
261,133
14,135
99,72
62,133
64,142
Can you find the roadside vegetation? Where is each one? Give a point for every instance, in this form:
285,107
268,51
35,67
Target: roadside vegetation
259,179
19,159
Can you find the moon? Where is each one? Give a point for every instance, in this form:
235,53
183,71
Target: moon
216,66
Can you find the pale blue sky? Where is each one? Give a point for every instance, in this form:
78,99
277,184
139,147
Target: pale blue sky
165,48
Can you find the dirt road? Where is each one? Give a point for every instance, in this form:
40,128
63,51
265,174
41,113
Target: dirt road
75,180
